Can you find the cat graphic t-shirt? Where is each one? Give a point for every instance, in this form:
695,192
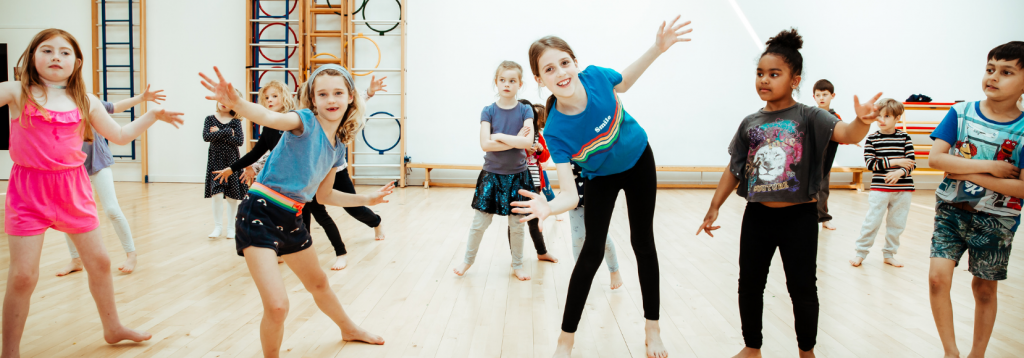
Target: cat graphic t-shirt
780,155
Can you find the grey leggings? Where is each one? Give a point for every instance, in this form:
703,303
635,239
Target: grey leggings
579,235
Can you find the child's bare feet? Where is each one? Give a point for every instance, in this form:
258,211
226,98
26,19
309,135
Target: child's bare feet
547,257
378,232
280,260
358,334
892,262
340,263
856,261
748,352
564,348
655,348
616,280
461,269
806,354
521,275
74,265
128,266
125,334
827,225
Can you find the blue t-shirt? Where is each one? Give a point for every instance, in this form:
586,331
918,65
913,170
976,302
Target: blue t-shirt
299,163
603,139
506,121
973,136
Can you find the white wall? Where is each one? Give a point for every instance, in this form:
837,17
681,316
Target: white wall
693,97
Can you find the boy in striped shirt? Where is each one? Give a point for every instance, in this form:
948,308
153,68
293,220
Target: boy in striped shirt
889,153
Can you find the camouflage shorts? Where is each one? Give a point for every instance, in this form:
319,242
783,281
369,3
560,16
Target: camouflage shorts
987,239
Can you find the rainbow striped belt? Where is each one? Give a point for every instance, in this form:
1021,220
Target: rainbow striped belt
276,198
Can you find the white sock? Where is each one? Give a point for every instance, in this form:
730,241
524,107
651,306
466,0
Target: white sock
218,215
232,211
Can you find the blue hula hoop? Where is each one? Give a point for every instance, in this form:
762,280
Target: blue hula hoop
381,151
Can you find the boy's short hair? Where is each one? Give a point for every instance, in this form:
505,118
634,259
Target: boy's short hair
1013,50
890,106
824,85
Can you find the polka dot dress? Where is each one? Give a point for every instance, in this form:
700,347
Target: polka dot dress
224,145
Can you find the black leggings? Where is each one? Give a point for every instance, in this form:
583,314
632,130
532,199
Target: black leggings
535,234
640,184
342,183
794,231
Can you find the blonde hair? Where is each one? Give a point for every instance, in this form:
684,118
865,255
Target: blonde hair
29,77
890,106
352,120
287,100
216,106
508,65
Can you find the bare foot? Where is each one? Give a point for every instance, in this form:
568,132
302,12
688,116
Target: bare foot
616,280
280,260
806,354
547,257
461,270
564,348
856,261
521,275
125,334
358,334
655,348
892,262
827,225
128,266
378,232
748,352
340,263
74,265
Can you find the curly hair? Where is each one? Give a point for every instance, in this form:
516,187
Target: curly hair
287,100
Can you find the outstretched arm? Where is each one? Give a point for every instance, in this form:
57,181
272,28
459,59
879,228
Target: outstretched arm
224,93
145,96
122,135
854,132
539,208
667,36
326,194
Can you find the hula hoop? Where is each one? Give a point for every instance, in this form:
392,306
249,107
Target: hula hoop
260,35
382,32
361,36
381,151
260,5
354,12
259,80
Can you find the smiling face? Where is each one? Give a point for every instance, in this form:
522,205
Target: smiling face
1003,80
558,72
509,82
331,96
775,80
55,59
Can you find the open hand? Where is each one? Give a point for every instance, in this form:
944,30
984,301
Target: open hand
223,175
153,96
376,85
222,90
709,220
248,175
893,176
536,208
380,196
867,112
174,118
669,35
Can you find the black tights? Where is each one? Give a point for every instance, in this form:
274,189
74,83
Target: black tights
640,184
342,183
794,231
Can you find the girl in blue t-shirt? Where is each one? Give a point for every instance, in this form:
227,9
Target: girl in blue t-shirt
269,221
778,160
588,125
506,130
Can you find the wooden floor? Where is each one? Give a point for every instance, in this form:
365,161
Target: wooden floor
196,297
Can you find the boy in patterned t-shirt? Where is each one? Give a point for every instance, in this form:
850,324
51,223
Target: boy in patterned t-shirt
977,144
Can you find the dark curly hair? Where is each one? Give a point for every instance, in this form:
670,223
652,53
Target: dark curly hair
787,45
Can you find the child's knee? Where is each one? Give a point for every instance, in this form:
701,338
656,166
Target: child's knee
276,310
24,280
938,282
984,290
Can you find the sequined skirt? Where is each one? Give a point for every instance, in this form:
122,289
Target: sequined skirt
496,192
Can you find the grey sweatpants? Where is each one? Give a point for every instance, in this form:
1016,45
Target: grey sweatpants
898,206
481,221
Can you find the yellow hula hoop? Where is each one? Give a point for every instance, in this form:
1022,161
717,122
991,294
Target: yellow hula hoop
358,36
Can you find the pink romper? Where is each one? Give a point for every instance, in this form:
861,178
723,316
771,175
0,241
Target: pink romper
49,187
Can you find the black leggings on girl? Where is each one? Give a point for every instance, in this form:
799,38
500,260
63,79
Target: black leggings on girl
794,231
342,183
640,184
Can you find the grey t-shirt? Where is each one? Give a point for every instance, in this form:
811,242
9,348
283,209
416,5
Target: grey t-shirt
780,155
98,153
506,121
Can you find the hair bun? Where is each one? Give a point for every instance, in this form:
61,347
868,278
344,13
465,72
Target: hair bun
787,38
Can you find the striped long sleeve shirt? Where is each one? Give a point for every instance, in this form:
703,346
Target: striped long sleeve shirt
879,150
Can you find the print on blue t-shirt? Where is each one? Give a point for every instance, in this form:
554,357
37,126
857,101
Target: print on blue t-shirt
298,163
973,136
603,139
